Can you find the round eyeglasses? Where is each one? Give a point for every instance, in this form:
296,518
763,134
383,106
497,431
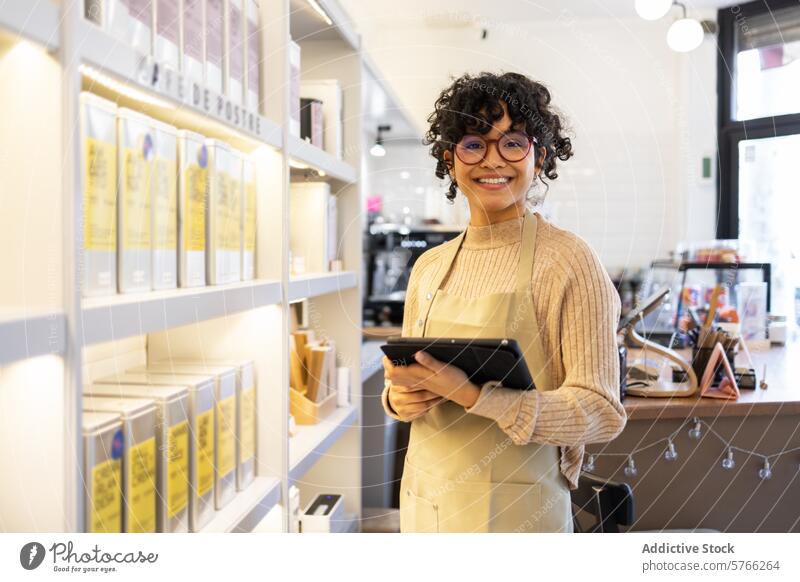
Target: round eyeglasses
512,147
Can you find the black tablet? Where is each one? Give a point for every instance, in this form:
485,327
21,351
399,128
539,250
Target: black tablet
483,360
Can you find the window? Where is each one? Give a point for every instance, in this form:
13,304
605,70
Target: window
759,138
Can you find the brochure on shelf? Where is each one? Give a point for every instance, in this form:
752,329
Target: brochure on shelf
200,414
103,448
215,44
313,228
248,218
226,440
172,442
235,51
165,207
131,22
223,214
253,50
135,150
192,184
294,88
193,41
166,45
138,460
329,92
98,123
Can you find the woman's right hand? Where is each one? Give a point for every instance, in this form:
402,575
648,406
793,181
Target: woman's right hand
408,402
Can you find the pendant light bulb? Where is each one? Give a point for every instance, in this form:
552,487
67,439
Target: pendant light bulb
630,469
765,472
670,454
696,432
652,9
684,35
377,150
588,466
728,462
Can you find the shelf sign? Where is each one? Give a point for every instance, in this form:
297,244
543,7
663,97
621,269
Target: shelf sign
170,83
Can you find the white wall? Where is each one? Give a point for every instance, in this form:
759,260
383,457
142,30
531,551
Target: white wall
642,116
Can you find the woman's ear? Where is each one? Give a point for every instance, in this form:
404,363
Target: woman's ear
540,157
447,155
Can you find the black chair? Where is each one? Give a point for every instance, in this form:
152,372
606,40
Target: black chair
610,502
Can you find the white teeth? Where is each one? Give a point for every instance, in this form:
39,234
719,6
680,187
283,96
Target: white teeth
493,180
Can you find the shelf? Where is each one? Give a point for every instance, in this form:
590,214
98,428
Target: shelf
119,316
36,21
314,157
248,508
313,440
308,25
166,95
27,335
313,285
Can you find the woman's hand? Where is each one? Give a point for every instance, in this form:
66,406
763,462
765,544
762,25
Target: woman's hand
408,402
433,377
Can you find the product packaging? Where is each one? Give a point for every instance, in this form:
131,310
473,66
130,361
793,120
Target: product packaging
138,460
248,219
200,413
294,88
223,214
193,40
343,387
328,91
215,41
172,442
235,50
192,189
131,22
99,165
311,124
135,149
751,305
253,41
225,438
103,448
164,191
167,33
313,225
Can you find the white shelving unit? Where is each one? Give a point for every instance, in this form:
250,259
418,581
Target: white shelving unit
48,353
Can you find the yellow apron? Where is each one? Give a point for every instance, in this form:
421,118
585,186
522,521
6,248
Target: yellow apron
462,472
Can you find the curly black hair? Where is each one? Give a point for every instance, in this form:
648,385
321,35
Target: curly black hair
472,103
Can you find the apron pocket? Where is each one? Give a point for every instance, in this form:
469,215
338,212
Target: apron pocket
417,514
517,508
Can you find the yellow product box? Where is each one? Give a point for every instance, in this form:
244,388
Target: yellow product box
99,175
103,448
164,188
173,440
226,440
223,214
135,151
200,413
139,464
192,191
248,219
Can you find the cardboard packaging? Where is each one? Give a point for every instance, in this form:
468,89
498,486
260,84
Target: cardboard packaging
193,45
135,150
249,216
223,214
225,438
172,440
103,448
164,186
192,188
311,124
138,461
313,225
166,44
215,43
235,48
253,50
99,166
294,88
200,413
329,92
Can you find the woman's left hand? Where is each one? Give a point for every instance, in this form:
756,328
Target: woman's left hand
443,379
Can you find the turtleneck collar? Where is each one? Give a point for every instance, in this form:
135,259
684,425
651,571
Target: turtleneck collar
494,235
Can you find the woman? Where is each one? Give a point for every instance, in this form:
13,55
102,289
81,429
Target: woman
489,458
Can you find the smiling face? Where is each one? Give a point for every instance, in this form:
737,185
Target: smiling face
495,187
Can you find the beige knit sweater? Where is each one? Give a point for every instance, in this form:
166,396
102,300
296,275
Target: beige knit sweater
577,308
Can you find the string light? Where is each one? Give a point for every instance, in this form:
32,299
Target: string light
728,462
695,432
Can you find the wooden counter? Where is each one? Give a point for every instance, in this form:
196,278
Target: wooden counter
782,395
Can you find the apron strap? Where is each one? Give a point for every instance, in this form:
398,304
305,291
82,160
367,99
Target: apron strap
525,269
434,284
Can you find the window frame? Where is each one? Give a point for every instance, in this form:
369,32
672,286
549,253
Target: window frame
729,131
